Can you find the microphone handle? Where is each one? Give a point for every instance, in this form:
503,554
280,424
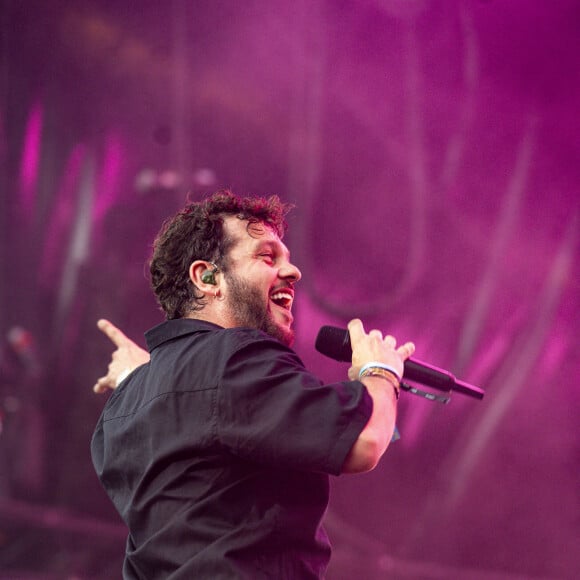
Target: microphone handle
426,374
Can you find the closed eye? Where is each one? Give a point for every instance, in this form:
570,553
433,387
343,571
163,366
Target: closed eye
268,256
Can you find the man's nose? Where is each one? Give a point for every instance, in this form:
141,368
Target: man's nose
291,272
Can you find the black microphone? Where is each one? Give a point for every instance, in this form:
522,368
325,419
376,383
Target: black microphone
335,343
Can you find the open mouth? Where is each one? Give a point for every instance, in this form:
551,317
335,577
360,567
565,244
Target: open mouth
283,299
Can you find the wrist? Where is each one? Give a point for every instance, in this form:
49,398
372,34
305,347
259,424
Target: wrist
383,371
122,376
380,365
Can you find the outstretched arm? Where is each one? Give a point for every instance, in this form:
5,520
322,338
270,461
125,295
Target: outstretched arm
126,358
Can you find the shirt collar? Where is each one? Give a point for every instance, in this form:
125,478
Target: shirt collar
177,328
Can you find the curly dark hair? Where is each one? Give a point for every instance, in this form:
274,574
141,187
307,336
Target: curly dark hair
196,233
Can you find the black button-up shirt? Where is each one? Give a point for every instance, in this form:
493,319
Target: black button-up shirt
217,453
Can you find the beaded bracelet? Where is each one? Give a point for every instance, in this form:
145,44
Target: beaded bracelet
383,374
380,365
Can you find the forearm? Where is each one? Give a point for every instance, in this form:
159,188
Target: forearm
378,432
379,365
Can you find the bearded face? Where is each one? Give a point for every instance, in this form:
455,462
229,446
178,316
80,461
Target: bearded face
249,306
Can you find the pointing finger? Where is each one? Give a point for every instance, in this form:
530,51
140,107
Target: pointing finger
112,332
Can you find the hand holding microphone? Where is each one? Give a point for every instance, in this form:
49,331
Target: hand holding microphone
372,347
336,343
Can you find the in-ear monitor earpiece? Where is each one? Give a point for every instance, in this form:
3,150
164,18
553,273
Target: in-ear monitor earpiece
208,277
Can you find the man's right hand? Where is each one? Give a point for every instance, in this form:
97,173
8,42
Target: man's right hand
126,358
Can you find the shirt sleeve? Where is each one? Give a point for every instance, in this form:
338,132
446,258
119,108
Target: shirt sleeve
272,410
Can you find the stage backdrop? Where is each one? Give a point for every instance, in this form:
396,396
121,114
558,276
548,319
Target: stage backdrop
431,148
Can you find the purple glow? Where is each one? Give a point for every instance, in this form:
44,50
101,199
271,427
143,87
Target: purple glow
109,180
63,215
30,158
430,149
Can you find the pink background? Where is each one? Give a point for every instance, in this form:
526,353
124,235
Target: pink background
431,148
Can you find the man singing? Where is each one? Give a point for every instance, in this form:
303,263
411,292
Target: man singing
216,452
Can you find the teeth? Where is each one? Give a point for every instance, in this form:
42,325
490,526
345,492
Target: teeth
283,299
281,296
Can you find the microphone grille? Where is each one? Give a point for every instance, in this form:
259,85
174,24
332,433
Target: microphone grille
334,342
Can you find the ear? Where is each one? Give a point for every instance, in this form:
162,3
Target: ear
196,275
